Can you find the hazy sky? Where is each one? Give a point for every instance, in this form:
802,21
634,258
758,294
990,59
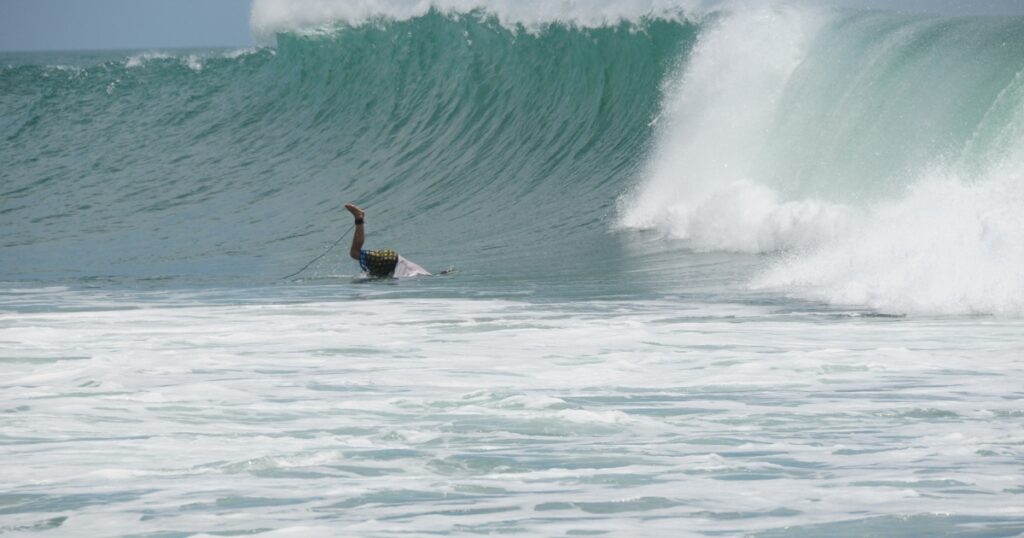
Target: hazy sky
116,24
131,24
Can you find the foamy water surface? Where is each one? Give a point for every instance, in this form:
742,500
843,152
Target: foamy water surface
374,415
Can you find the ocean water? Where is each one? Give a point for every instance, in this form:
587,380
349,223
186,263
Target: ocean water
720,270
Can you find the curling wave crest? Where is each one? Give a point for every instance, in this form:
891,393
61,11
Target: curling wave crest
878,159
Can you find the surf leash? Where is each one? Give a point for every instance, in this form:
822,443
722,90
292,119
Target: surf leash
314,260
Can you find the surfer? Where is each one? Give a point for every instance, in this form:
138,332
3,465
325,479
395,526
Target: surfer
378,263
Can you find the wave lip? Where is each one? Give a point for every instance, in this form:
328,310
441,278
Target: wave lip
269,17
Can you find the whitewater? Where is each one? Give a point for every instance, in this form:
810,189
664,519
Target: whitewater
721,269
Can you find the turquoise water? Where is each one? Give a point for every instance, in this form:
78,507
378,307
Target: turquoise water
746,272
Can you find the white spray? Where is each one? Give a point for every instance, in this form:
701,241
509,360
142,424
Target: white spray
951,243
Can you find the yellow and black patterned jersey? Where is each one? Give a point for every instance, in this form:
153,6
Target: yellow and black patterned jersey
378,263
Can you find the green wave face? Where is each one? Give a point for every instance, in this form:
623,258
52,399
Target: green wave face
455,133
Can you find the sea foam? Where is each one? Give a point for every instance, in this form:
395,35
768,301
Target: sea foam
939,235
946,247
